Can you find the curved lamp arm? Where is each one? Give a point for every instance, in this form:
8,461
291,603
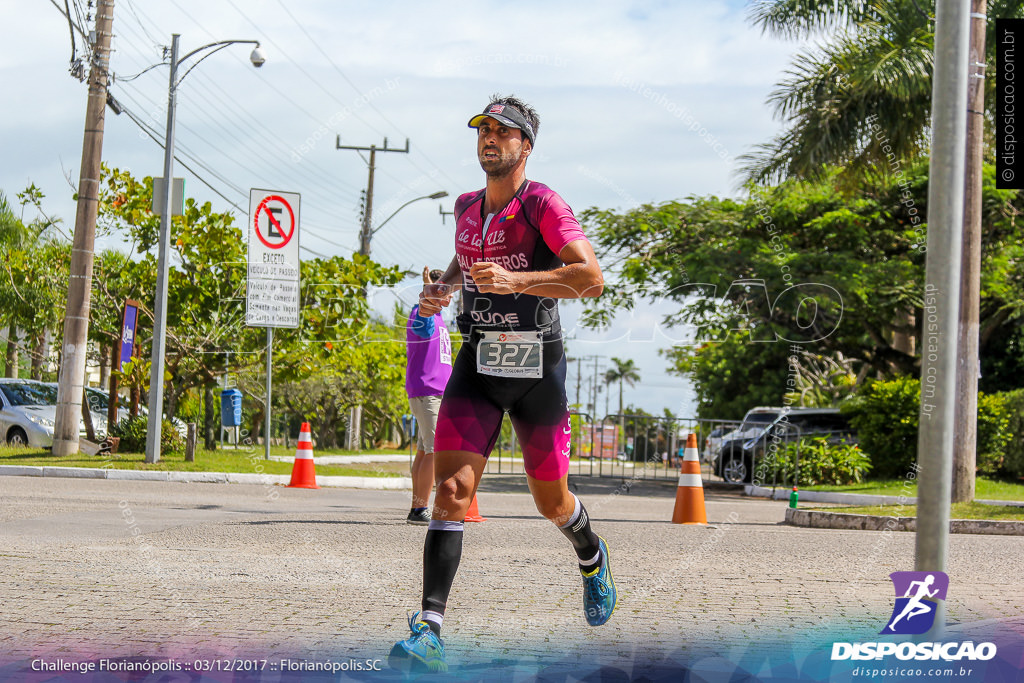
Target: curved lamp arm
436,195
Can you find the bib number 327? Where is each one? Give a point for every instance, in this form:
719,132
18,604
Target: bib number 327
510,354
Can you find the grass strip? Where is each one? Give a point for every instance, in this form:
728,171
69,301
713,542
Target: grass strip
971,510
239,461
985,488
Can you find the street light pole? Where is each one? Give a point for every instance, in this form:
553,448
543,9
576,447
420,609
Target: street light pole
156,376
942,292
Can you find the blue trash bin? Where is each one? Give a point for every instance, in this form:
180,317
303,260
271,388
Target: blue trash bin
231,408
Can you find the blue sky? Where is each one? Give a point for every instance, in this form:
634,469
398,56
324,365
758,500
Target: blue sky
639,102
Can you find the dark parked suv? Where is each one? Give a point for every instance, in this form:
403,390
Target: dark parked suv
745,448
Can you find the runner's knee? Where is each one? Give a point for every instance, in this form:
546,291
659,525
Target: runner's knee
455,489
555,509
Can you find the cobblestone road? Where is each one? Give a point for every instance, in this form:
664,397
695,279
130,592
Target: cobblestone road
96,567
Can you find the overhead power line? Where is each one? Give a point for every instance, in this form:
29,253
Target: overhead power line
183,160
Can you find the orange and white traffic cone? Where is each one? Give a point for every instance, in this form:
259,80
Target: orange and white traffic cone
473,514
690,492
303,471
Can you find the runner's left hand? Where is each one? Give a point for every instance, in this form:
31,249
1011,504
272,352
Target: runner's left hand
490,278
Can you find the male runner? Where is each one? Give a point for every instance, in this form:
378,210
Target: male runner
518,250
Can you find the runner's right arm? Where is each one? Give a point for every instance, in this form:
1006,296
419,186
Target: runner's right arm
453,275
435,297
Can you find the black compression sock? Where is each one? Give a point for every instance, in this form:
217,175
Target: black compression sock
442,551
584,540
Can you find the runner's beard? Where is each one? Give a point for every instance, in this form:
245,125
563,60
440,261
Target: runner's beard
500,167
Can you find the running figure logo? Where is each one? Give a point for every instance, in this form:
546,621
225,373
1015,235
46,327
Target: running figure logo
917,594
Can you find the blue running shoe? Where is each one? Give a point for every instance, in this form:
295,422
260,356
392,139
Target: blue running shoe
599,595
422,651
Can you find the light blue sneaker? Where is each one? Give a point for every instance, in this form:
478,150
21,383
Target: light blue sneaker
421,651
599,595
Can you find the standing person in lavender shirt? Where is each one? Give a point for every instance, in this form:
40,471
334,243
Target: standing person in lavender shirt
428,353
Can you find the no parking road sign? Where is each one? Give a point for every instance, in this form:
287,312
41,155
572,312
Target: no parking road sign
272,294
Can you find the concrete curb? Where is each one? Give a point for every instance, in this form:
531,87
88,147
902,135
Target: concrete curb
821,519
77,472
21,470
346,459
378,483
138,475
782,493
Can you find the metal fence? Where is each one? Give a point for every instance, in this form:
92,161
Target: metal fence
621,446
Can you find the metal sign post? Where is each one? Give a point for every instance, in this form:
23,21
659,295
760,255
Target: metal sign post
266,431
272,291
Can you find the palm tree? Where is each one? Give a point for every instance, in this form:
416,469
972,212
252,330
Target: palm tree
624,371
14,234
875,71
874,76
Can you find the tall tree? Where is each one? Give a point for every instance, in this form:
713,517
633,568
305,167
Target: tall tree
868,69
801,263
878,72
623,371
13,235
33,278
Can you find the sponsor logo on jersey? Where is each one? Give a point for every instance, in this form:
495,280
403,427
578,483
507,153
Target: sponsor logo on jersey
471,238
490,318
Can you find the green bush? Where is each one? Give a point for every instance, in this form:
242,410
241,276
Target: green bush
885,415
132,432
1013,460
994,435
822,463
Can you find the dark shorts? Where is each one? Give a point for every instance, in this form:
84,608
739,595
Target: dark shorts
474,405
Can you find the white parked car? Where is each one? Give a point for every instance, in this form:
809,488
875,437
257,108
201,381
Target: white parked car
715,439
99,402
28,409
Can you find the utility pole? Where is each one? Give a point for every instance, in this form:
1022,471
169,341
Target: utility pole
965,431
579,380
440,209
71,379
942,291
367,232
